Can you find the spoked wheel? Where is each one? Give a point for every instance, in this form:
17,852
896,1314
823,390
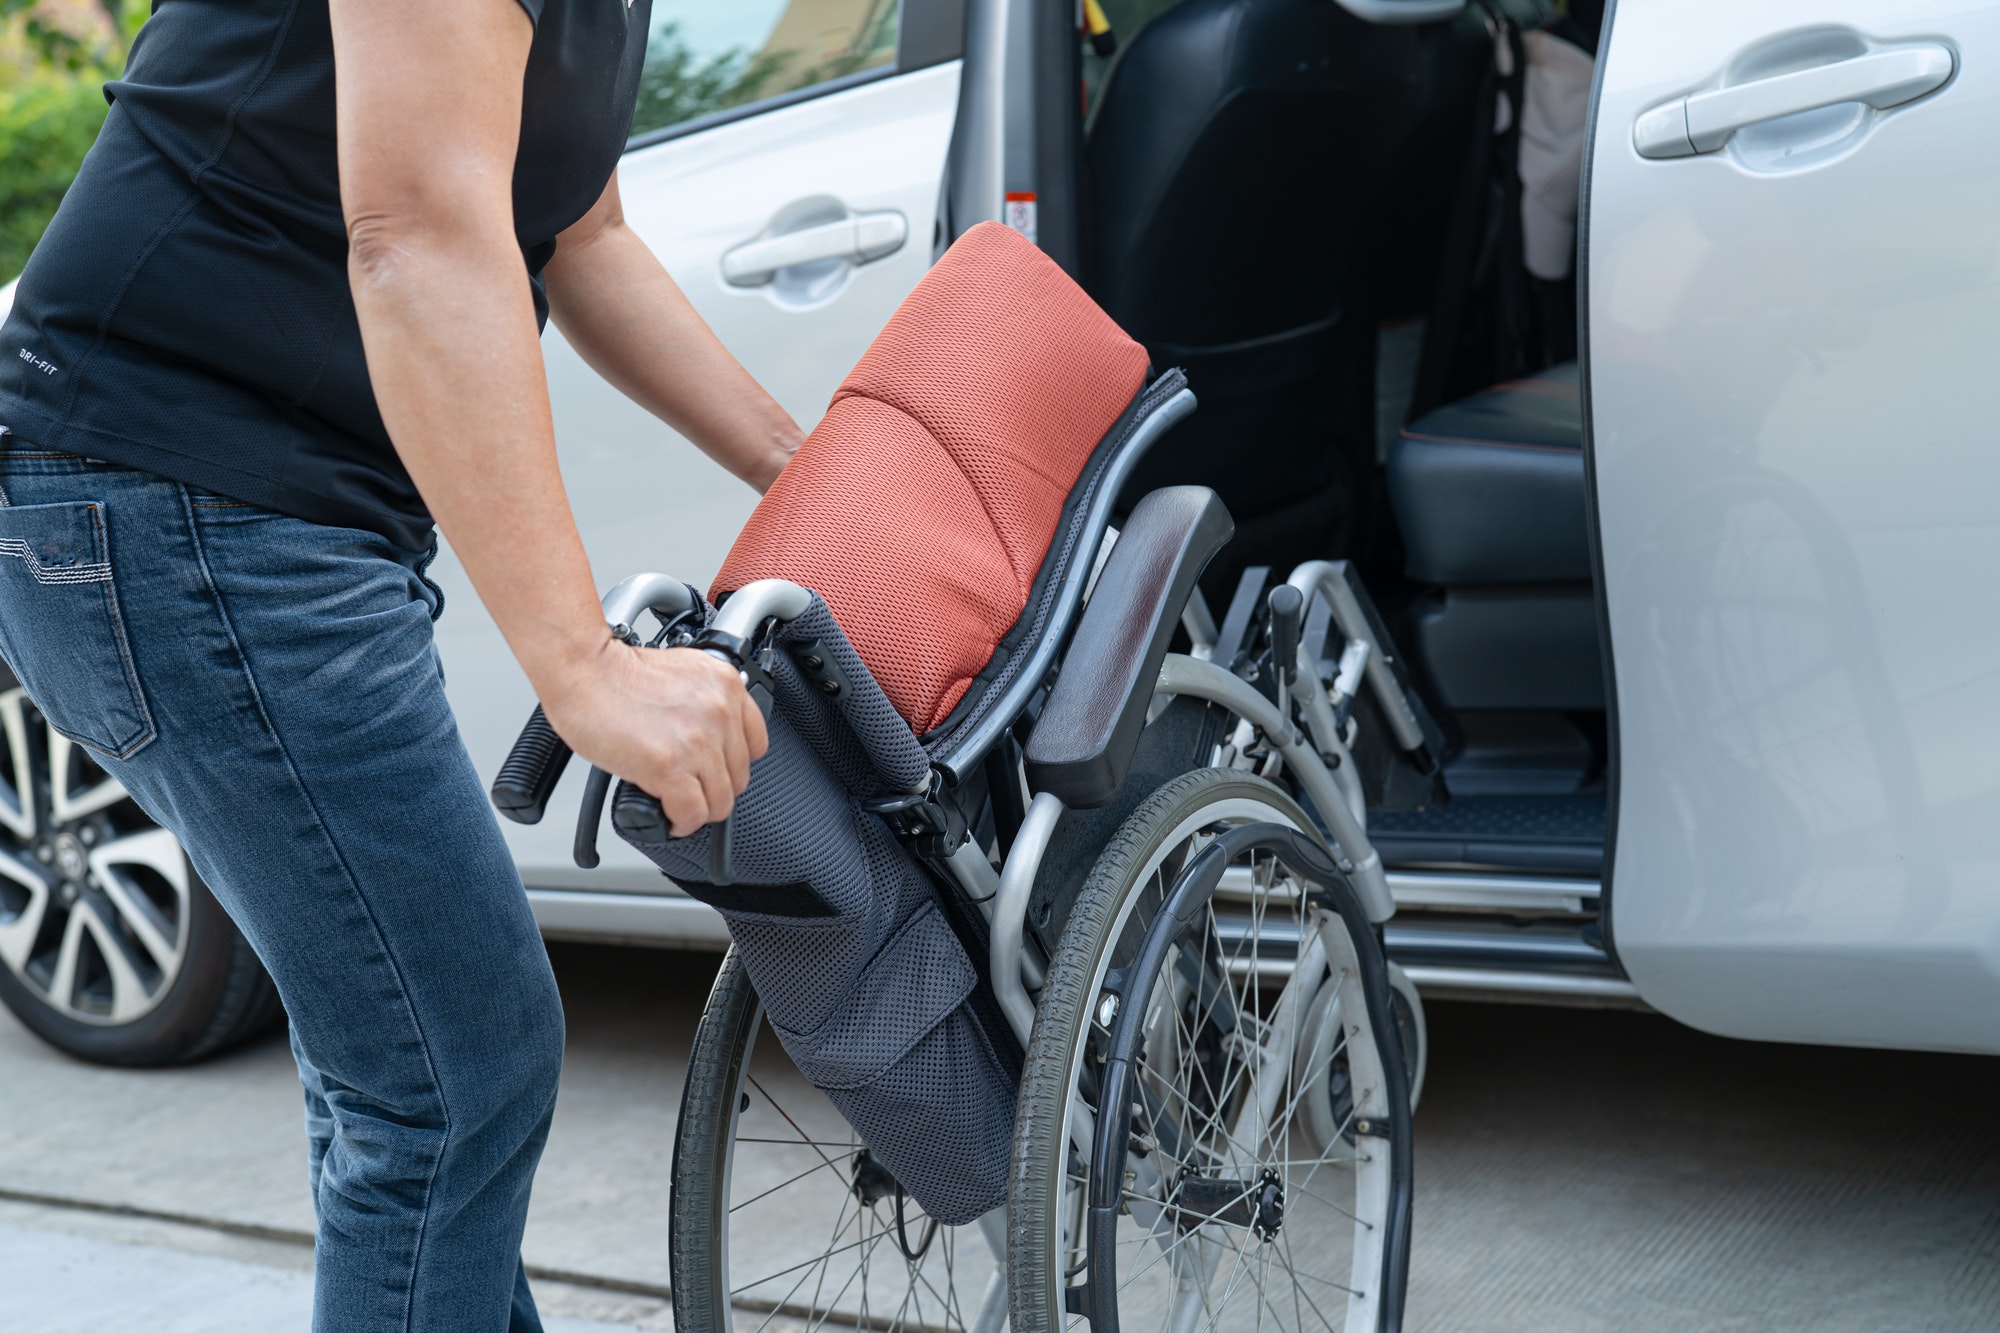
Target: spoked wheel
1235,1206
782,1219
110,946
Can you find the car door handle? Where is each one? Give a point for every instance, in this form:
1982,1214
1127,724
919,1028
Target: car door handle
856,238
1703,122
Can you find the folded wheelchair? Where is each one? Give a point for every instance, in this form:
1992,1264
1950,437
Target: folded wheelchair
1053,892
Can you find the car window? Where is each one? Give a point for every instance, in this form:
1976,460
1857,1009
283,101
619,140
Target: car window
703,57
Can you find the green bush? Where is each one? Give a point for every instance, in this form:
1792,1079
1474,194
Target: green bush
47,122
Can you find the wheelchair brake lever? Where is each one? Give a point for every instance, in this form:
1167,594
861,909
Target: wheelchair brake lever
595,788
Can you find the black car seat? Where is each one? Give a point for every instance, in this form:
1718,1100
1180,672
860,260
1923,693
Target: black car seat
1237,154
1425,183
1489,494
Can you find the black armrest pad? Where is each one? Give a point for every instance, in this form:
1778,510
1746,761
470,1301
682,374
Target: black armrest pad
1083,742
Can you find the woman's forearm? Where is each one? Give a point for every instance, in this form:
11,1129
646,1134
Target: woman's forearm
447,318
625,315
470,417
448,326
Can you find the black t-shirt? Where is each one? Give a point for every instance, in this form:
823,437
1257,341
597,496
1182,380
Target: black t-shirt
188,311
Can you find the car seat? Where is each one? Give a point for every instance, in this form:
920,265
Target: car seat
1234,161
1489,494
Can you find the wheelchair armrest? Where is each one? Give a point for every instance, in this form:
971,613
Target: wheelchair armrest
1083,742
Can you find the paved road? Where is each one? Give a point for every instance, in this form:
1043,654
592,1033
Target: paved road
1577,1172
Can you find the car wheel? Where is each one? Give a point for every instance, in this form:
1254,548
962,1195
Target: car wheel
111,947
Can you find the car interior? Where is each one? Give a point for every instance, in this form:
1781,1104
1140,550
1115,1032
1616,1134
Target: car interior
1318,218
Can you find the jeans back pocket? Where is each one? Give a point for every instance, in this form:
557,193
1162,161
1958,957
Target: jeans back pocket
60,629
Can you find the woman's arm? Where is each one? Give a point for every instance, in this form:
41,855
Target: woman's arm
429,99
622,312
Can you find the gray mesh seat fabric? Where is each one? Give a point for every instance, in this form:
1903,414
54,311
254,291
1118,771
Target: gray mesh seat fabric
864,979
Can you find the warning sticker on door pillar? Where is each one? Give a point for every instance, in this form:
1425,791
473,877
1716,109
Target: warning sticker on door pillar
1019,212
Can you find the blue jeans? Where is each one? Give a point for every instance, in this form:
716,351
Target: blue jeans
268,689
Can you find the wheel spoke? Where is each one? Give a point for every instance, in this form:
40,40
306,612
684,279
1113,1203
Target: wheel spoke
17,795
66,805
1299,1293
131,994
783,1304
816,1259
814,1169
19,932
62,981
160,852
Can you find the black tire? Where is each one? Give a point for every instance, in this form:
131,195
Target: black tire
1112,912
793,1127
209,994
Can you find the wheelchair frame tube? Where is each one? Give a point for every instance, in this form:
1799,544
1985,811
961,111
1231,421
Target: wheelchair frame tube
663,596
1325,730
1181,674
1010,912
754,603
1325,578
1000,712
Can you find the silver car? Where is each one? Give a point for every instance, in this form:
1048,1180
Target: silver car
1639,360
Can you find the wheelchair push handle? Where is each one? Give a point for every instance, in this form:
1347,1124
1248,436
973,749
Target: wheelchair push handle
734,635
533,768
526,781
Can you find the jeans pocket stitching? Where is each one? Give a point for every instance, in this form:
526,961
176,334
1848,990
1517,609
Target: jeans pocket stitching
51,576
147,729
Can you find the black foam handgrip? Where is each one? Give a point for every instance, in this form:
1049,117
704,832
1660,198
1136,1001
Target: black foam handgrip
531,772
638,815
1288,606
640,818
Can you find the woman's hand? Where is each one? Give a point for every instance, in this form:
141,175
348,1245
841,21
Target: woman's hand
677,722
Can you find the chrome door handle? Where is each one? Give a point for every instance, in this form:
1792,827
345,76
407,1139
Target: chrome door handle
1703,122
856,238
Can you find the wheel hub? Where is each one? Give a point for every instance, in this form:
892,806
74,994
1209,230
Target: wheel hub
1270,1199
872,1181
1258,1204
70,861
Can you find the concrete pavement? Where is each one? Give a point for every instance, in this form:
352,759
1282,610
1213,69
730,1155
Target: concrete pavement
1576,1172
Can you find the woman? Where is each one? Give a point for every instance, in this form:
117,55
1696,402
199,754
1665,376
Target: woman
287,316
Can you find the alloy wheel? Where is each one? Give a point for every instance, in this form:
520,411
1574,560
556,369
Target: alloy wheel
95,899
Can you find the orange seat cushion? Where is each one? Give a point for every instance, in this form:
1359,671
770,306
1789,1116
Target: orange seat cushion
922,506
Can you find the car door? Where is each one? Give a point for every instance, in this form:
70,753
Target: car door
1794,292
787,171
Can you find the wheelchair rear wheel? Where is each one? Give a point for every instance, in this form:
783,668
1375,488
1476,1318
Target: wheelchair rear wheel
780,1218
1239,1210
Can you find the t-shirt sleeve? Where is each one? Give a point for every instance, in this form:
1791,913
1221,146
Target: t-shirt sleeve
534,8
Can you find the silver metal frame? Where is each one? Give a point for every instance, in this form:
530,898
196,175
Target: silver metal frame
1339,804
1005,897
1327,578
664,597
1002,711
754,603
